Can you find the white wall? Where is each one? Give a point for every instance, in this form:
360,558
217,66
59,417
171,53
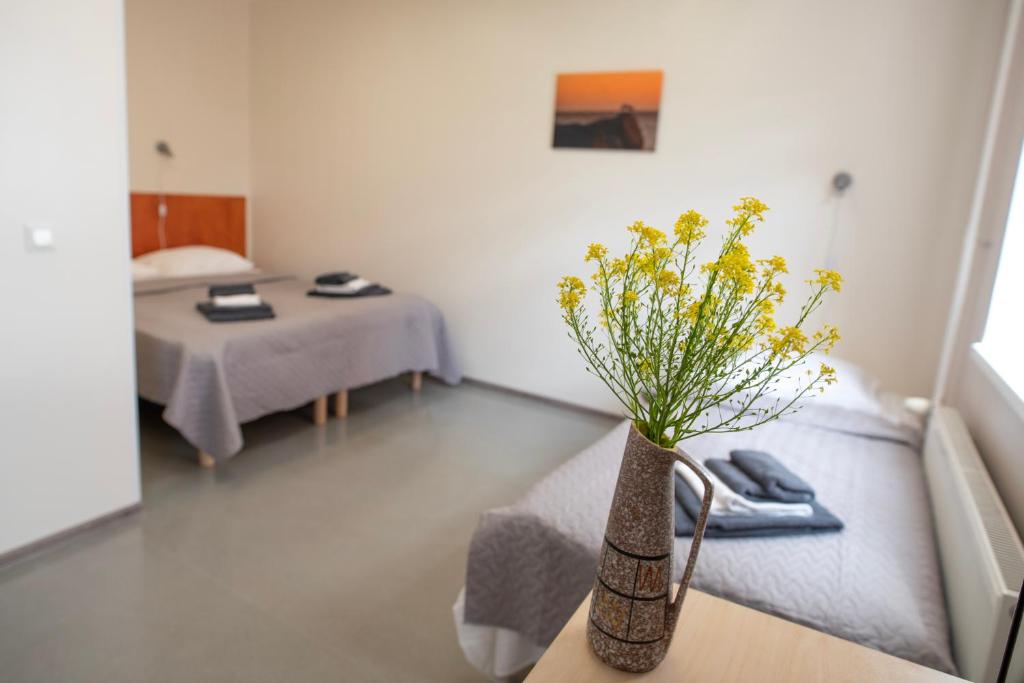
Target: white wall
188,84
411,142
69,448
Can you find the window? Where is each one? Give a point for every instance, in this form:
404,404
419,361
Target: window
1002,345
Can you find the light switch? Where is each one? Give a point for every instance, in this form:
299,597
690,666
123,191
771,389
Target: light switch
38,237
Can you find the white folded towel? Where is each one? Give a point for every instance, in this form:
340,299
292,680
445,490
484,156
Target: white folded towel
350,287
237,300
727,502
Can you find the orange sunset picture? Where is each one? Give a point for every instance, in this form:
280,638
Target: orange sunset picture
607,110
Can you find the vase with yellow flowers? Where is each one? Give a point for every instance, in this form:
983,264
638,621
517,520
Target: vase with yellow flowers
687,349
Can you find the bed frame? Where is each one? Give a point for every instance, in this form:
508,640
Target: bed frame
214,221
320,405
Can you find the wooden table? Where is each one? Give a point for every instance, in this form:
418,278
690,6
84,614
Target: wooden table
717,640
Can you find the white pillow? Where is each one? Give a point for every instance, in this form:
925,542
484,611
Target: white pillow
195,260
143,271
854,389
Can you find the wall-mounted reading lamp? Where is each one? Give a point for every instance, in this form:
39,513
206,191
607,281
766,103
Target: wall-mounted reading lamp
164,150
841,182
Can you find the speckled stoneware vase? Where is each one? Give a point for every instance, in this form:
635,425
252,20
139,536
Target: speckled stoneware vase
631,616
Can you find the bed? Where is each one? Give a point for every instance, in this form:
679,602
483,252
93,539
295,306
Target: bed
878,582
211,378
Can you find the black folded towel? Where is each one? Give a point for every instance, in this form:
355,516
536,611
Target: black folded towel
744,526
776,482
231,290
217,314
339,278
369,290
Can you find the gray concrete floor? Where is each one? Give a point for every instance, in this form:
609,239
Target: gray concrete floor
330,554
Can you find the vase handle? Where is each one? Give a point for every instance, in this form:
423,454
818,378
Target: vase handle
698,534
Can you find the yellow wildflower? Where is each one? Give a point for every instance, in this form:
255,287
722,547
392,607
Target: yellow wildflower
596,252
743,342
827,373
735,266
749,211
667,280
830,335
765,323
690,227
648,309
653,261
773,266
651,236
751,206
661,253
828,279
789,340
693,310
570,292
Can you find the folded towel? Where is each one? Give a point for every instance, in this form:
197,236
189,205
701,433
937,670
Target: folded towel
350,287
727,502
236,300
231,290
234,314
739,526
339,278
371,290
777,482
736,479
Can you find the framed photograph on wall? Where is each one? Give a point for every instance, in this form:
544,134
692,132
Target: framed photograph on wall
608,110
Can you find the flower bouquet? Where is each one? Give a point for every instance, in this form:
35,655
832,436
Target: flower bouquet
687,349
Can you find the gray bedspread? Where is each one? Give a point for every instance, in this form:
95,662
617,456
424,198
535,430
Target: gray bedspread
211,377
877,582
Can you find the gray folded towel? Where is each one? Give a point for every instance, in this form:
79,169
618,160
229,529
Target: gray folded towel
232,289
369,290
741,526
736,479
217,314
338,278
776,482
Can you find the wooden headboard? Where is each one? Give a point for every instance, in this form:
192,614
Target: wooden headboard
191,219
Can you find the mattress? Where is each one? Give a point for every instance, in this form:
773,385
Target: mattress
877,582
213,377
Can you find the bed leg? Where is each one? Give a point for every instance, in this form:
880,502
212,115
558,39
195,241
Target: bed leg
320,411
206,460
341,404
417,381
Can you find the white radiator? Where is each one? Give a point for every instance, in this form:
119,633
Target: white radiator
981,553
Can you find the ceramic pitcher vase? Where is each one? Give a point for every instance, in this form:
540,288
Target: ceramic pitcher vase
632,613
